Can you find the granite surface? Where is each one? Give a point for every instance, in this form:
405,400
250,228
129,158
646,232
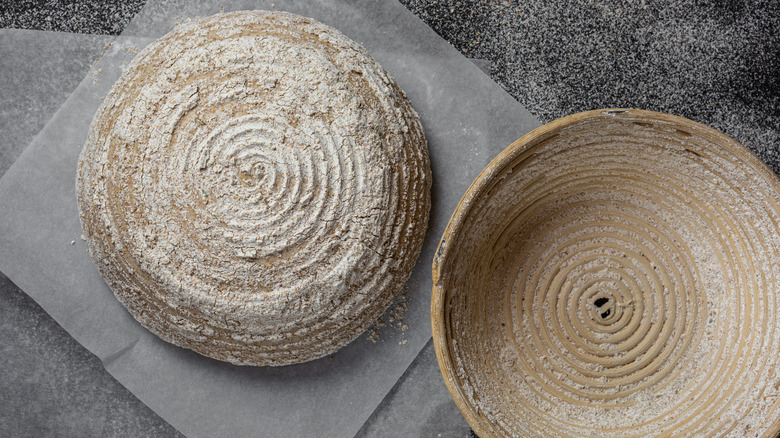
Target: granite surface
715,62
51,386
91,16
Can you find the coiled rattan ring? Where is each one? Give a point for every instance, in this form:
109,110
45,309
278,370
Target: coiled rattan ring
615,273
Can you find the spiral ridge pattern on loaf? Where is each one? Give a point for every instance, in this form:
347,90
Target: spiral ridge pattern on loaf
255,187
616,277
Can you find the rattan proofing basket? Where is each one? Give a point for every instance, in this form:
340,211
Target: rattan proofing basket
615,273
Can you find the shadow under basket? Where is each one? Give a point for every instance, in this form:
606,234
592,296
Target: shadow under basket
615,273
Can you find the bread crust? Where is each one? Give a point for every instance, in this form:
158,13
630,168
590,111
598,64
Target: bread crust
256,188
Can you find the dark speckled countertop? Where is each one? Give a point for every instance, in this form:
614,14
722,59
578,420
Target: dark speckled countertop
716,62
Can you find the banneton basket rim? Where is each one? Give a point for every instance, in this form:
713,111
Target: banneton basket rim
441,338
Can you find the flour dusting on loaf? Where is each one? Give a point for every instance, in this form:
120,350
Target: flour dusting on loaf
256,188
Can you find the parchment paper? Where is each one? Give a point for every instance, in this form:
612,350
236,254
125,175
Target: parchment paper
467,119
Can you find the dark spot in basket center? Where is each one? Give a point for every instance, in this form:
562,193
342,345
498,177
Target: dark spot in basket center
603,308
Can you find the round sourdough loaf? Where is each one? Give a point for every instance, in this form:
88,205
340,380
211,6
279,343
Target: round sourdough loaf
256,188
